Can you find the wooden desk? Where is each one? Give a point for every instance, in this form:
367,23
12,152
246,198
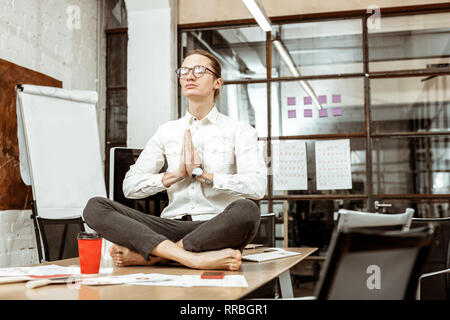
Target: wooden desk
257,274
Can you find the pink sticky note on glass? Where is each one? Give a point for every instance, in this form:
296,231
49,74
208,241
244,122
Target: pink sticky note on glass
337,111
307,113
291,101
292,113
336,98
307,100
323,113
322,99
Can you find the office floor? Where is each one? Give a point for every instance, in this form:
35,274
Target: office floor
304,278
304,289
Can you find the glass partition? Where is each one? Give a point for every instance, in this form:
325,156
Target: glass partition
419,165
295,112
315,48
419,41
423,208
243,102
289,168
241,51
414,104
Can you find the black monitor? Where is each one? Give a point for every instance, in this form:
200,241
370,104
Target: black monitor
120,161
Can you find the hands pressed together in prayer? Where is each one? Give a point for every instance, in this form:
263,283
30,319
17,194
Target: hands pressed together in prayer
189,160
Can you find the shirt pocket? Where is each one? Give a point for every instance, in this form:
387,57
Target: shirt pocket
218,158
172,153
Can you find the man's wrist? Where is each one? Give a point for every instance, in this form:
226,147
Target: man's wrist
179,175
208,178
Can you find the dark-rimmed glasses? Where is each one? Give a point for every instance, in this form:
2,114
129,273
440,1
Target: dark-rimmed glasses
197,71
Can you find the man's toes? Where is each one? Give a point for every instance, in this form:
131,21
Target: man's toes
114,250
235,266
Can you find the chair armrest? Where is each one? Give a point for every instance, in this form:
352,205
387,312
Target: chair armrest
430,274
426,275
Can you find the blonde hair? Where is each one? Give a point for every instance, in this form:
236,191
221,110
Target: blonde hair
215,64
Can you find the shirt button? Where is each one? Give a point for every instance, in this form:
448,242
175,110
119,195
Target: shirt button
192,188
221,185
192,206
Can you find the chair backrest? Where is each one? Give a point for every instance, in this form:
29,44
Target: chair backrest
59,149
121,159
374,264
436,287
356,219
266,231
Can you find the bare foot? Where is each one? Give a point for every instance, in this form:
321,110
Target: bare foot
123,257
228,259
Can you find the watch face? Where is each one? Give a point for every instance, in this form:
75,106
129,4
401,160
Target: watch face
197,171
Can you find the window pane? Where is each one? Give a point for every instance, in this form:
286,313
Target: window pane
296,113
311,222
241,51
117,116
243,102
422,208
411,165
314,48
117,60
409,42
410,104
358,169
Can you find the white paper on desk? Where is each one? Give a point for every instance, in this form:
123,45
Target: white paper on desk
106,280
333,166
197,281
227,281
289,165
157,279
45,270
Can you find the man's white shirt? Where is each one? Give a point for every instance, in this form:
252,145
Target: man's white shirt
228,149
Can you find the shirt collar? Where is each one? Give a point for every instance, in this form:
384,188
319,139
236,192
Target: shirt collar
211,116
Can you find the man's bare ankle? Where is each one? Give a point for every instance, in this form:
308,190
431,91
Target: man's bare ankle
180,244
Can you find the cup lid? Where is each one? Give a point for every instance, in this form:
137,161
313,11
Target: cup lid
88,235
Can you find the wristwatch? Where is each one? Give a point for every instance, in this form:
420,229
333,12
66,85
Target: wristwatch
197,172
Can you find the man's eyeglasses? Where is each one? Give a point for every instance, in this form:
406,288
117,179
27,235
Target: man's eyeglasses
197,71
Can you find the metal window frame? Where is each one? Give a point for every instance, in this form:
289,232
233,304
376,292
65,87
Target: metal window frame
366,75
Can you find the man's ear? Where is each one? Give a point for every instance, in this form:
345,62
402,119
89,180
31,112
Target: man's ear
218,83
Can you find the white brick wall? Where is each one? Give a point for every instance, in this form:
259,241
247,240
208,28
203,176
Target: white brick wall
17,238
34,34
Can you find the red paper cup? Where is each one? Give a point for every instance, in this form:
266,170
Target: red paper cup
90,252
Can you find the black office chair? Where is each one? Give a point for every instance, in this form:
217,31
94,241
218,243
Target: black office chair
56,239
266,231
120,161
374,264
435,281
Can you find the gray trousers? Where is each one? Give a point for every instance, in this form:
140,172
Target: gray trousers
234,227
